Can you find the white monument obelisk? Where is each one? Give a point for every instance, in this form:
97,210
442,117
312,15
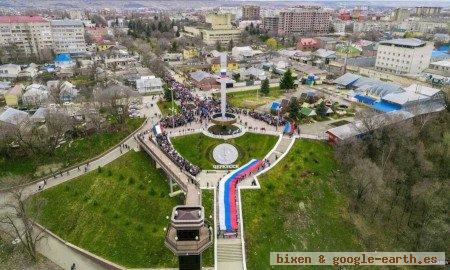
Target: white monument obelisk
223,83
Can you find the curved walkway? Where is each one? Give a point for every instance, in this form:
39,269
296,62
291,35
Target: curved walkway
63,253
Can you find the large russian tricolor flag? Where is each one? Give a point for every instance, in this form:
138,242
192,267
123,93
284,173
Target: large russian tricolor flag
227,195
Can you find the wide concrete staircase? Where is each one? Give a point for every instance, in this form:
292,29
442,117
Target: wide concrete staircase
229,254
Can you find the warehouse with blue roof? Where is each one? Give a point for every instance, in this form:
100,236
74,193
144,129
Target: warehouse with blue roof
386,96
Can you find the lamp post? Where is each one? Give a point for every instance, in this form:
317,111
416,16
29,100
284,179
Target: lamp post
173,108
278,118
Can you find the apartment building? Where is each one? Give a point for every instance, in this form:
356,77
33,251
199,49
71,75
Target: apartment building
427,11
221,29
219,21
250,12
33,36
68,36
305,20
29,35
271,24
403,56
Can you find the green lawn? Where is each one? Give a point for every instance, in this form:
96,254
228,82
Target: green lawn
249,99
81,81
166,107
297,208
118,212
208,204
68,154
197,148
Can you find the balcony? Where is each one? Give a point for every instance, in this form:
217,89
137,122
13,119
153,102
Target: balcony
195,247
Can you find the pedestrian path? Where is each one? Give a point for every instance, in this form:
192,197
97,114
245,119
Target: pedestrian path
229,254
282,147
230,249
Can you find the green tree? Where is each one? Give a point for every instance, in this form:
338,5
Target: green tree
265,87
287,82
294,108
272,43
230,45
321,109
177,34
174,46
218,46
167,93
236,76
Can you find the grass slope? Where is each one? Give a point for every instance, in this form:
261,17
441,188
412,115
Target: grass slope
197,148
118,212
208,204
297,208
68,154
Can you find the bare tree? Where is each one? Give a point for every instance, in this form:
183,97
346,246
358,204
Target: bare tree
115,97
157,66
57,124
17,219
368,180
55,92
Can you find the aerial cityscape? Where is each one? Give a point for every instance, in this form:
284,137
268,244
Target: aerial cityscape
225,135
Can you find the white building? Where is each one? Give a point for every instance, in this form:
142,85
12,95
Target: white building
68,36
367,26
35,95
403,56
244,52
339,27
9,71
244,24
67,91
29,72
252,73
149,84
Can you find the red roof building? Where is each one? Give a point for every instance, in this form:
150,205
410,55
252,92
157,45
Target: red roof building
21,19
307,44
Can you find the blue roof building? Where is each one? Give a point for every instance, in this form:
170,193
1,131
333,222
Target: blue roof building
63,57
63,60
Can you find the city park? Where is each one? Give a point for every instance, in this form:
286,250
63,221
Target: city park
210,183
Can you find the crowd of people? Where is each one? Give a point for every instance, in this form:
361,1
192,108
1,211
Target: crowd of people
166,146
193,108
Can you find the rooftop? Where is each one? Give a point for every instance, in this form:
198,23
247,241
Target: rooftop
13,116
66,22
200,75
308,41
412,42
63,57
347,79
443,63
21,19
